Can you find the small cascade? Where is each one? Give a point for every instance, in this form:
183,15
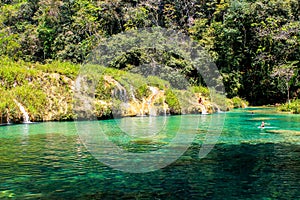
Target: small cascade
218,109
119,92
22,109
132,94
147,107
203,109
8,120
142,110
165,107
152,110
84,99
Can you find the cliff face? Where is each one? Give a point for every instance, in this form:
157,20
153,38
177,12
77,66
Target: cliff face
48,93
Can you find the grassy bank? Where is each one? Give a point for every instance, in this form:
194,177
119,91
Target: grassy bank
46,91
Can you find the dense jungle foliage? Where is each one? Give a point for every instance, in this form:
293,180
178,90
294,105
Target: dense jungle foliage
254,43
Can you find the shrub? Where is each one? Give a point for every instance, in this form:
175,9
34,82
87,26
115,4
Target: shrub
204,91
142,91
173,102
293,107
238,102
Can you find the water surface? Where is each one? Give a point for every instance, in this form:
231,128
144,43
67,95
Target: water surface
49,161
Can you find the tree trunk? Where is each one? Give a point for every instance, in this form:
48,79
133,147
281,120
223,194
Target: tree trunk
288,92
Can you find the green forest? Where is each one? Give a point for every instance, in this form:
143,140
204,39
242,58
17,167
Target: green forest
254,43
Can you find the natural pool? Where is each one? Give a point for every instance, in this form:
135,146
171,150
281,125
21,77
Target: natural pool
49,161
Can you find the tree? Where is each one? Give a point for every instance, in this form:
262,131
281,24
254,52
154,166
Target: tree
285,73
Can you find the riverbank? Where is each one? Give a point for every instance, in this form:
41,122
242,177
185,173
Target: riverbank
45,92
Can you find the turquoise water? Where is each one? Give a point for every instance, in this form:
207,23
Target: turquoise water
50,161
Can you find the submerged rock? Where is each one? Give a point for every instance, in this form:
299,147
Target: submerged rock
285,132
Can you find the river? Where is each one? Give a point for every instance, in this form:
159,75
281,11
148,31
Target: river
55,160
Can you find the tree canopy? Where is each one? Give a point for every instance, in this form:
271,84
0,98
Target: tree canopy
249,40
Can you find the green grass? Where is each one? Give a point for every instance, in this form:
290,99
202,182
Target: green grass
64,68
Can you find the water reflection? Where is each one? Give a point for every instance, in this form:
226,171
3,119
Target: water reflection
143,127
25,134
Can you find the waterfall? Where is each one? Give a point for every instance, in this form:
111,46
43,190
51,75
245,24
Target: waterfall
142,109
152,110
22,109
7,119
132,94
83,104
165,107
119,91
203,110
147,104
218,109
